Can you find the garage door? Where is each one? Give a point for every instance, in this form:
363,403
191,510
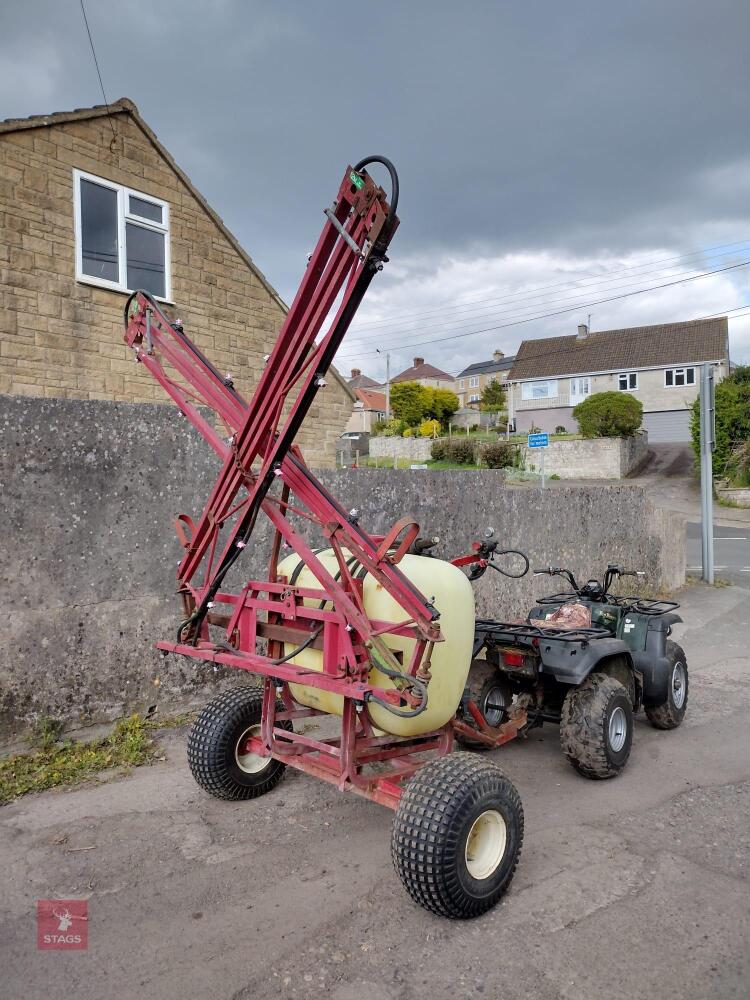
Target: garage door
667,426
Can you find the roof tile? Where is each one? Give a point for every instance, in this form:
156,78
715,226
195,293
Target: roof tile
633,347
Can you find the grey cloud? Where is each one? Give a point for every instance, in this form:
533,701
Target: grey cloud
585,125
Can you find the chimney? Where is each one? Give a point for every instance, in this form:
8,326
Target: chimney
418,362
583,331
356,372
497,355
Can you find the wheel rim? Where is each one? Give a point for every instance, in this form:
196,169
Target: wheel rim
494,706
249,762
679,687
618,729
485,845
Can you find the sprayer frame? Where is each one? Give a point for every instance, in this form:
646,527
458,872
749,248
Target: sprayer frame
260,450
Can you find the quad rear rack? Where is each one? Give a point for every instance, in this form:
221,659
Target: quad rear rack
514,631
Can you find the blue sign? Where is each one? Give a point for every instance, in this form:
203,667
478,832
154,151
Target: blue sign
538,440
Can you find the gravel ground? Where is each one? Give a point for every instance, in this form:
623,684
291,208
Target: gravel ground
630,888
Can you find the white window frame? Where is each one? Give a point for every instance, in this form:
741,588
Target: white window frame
123,216
629,377
474,398
473,382
673,372
580,386
549,385
460,383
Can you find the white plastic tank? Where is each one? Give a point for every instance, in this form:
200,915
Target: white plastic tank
445,587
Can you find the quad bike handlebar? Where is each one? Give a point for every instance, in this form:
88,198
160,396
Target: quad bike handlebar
598,592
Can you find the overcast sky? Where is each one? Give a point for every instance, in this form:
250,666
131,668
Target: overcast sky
539,144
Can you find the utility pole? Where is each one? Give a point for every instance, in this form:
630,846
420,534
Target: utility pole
510,408
387,383
708,444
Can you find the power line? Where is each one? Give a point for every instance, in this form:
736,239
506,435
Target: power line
520,312
597,278
98,71
558,312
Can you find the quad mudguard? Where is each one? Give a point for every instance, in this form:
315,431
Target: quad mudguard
572,662
652,662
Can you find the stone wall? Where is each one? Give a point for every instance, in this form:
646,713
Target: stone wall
63,338
90,490
590,458
418,449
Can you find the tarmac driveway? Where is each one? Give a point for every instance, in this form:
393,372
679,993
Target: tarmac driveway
629,888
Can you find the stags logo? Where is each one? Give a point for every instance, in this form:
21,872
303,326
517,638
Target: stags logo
62,924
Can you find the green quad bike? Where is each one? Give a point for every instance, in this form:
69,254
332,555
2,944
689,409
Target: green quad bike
584,659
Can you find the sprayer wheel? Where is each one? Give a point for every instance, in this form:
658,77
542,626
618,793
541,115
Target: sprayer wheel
457,835
215,750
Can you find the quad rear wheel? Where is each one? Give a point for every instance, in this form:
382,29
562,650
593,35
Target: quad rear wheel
493,696
596,727
217,751
457,835
670,713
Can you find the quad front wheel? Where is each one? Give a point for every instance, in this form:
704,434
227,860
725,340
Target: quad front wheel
457,835
217,750
670,713
596,727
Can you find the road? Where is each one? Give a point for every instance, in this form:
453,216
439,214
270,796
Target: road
629,888
731,553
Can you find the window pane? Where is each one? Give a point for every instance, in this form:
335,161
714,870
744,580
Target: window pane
679,376
690,376
145,256
146,209
99,231
670,377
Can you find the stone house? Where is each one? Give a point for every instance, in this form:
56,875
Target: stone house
426,374
360,381
369,407
659,365
93,206
471,381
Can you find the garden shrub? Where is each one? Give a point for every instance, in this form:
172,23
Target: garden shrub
732,401
429,428
461,451
499,455
391,428
439,450
560,430
609,414
738,466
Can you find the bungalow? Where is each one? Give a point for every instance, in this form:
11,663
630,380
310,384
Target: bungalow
657,364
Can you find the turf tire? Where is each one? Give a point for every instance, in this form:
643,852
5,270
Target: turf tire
437,812
212,745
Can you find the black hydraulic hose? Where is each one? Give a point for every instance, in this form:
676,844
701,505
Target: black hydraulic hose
302,646
393,203
420,686
511,552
